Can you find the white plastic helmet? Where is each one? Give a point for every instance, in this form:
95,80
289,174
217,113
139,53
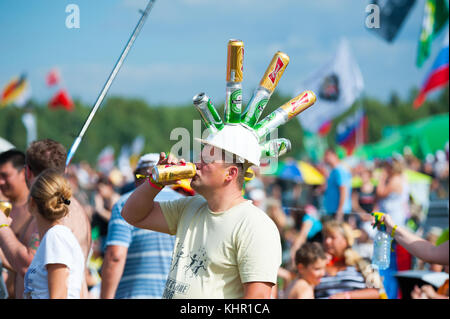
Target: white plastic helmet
238,140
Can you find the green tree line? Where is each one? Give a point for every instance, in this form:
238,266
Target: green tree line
119,120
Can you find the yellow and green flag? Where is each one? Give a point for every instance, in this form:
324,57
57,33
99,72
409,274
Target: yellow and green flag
434,19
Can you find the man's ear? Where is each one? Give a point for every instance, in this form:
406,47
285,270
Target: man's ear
232,172
300,268
28,175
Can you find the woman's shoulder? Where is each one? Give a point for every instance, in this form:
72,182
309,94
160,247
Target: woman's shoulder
61,234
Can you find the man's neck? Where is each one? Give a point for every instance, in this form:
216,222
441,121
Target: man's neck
21,199
224,200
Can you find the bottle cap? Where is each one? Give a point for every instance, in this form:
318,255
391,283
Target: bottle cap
378,216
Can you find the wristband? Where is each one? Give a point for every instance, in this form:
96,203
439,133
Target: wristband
4,225
393,231
154,184
392,238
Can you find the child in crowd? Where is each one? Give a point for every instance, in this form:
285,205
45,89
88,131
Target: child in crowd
311,261
57,269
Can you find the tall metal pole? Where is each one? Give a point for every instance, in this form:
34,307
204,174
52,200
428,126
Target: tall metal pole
108,83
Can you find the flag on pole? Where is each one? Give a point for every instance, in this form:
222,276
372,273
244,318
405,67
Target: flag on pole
105,160
16,91
61,99
434,19
123,163
393,13
53,77
352,131
29,121
325,128
337,85
438,75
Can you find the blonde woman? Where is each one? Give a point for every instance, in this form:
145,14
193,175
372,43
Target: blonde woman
347,276
57,269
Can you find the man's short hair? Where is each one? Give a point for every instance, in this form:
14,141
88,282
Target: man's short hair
45,154
309,253
13,156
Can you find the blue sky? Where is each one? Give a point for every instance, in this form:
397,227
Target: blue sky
181,50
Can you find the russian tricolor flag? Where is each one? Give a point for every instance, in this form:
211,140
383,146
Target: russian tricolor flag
437,77
352,131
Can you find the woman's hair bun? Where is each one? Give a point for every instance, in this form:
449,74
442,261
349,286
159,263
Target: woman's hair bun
51,192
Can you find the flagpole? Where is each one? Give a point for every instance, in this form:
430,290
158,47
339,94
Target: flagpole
108,83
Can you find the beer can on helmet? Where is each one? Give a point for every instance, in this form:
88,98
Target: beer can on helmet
234,77
235,61
284,113
5,207
233,103
276,147
270,123
171,173
266,87
274,71
299,103
255,107
208,112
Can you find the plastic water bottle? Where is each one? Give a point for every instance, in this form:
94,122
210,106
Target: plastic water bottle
381,257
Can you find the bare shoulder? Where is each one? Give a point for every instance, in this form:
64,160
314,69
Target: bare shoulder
301,290
78,221
21,218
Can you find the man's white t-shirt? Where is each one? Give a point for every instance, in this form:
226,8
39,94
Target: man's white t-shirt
215,253
59,246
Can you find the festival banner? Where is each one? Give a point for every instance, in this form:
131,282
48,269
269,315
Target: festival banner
352,132
16,91
392,16
437,76
61,99
337,85
435,17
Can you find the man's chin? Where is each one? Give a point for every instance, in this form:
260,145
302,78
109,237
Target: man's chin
5,193
196,184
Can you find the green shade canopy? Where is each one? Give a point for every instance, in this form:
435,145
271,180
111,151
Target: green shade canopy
422,137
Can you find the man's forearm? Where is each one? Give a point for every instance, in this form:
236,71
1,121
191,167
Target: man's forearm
112,271
5,261
140,203
17,255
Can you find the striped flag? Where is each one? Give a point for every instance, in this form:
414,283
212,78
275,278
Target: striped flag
438,75
16,91
352,131
435,17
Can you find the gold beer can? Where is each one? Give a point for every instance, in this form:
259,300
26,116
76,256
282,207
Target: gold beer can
235,61
5,207
167,174
274,71
299,103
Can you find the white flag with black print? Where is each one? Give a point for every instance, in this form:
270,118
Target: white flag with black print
337,85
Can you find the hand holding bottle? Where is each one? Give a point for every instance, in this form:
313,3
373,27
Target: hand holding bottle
379,219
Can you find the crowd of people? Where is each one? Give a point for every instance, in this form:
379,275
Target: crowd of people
71,234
